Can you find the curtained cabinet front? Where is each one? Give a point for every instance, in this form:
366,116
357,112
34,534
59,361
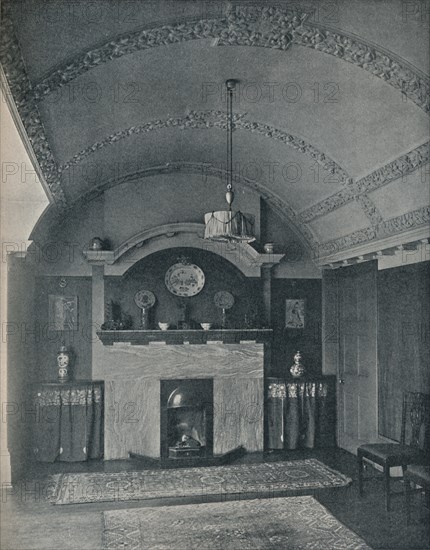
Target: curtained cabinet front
68,421
301,413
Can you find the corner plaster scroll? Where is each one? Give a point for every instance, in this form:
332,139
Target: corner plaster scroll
398,224
401,167
215,119
20,86
267,27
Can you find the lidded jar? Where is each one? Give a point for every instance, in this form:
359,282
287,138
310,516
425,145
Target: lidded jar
297,369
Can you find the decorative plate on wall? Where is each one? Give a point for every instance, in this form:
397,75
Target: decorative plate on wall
184,279
224,299
144,299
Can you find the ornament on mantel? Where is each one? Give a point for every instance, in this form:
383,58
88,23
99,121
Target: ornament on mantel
97,243
297,369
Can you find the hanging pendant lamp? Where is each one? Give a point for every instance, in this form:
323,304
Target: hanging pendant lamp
226,225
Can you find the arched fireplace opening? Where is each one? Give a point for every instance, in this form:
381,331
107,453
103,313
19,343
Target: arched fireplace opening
186,419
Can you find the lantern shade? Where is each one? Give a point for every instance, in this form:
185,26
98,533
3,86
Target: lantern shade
227,226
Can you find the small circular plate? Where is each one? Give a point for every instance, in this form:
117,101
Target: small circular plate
144,299
184,279
224,299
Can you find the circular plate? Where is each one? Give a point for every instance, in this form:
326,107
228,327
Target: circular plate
184,279
224,299
144,299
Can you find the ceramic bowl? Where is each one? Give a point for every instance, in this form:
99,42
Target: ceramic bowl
164,326
206,326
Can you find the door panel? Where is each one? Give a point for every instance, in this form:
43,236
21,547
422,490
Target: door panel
357,392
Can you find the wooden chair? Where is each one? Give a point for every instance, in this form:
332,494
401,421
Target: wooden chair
414,431
416,475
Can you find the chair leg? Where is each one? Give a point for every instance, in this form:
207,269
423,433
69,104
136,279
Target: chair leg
360,475
408,500
387,487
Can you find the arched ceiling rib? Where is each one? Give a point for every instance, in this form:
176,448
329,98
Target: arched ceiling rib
254,26
217,119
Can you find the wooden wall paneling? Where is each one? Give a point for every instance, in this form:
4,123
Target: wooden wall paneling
403,340
330,322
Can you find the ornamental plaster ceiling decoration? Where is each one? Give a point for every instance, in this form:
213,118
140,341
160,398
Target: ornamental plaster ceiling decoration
331,116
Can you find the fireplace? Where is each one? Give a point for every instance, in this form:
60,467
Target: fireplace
136,411
186,418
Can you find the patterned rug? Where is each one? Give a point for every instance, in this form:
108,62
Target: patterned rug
254,480
296,523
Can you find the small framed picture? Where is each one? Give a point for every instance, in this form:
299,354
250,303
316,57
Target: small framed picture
295,314
63,312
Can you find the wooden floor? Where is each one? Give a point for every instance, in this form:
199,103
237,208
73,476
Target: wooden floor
30,522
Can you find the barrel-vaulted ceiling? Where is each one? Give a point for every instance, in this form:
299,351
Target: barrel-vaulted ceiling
331,110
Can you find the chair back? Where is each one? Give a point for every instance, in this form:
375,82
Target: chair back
416,420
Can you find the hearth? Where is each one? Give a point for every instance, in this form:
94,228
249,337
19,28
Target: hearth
186,419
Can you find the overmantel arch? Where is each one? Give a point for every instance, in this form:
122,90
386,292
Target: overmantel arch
177,235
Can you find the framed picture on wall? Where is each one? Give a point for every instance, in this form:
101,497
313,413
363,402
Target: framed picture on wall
295,314
63,312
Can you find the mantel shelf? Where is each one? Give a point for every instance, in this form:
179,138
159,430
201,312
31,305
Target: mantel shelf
175,337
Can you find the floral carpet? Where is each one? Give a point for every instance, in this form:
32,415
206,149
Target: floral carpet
296,523
253,480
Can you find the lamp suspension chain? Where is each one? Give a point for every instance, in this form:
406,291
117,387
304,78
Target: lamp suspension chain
230,84
230,93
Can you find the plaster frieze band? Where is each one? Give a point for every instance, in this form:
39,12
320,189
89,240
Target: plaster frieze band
370,209
399,168
268,27
20,86
398,224
383,64
271,27
214,119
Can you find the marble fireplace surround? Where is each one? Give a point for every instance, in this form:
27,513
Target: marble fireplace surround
132,375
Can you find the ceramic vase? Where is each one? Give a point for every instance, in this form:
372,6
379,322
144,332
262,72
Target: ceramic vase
63,361
297,369
96,244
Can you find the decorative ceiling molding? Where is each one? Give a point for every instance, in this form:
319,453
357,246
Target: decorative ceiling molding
398,168
370,209
401,167
381,63
347,241
20,86
284,211
214,119
399,224
393,251
267,27
409,220
271,27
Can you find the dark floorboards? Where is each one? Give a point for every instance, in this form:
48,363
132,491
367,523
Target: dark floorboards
30,521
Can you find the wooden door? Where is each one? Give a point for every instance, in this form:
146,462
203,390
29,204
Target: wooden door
357,376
